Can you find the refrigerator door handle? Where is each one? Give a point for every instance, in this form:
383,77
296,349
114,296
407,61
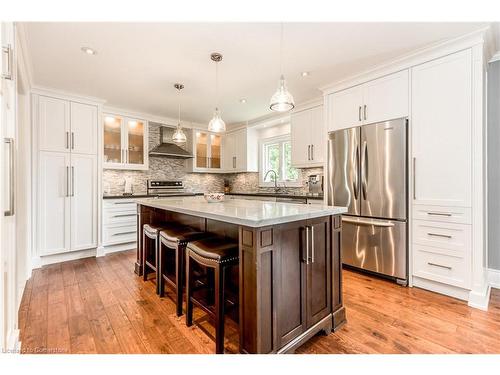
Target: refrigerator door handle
355,182
364,169
376,223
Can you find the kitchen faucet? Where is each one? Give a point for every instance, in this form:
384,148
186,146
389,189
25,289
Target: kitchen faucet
276,188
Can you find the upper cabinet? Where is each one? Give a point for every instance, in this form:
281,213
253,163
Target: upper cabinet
125,142
308,138
207,151
442,131
382,99
241,151
65,125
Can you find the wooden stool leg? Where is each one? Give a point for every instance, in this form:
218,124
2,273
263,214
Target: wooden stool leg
160,267
189,304
144,256
219,309
179,270
157,263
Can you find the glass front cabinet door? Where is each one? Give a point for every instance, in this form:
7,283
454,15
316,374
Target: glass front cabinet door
207,152
125,143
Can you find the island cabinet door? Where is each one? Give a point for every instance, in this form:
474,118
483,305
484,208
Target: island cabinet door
290,271
318,275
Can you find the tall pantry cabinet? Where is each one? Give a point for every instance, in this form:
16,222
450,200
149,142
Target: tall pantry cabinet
66,139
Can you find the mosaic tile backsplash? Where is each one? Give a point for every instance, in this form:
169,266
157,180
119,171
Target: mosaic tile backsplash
162,168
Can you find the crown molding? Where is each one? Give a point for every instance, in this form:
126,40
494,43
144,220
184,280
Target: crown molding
406,61
56,93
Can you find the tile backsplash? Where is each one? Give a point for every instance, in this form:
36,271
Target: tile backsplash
162,168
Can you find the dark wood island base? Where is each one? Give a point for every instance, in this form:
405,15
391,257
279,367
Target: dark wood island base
290,277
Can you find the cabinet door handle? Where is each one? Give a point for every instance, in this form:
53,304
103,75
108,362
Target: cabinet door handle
67,181
438,214
72,140
125,215
359,113
67,140
308,152
364,111
439,235
11,210
312,244
72,181
438,265
307,245
234,162
312,152
122,202
414,179
8,52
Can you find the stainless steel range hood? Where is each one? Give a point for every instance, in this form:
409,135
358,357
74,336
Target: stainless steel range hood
169,149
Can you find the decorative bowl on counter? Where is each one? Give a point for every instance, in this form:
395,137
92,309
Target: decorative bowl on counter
214,197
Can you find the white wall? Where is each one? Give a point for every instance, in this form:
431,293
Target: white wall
493,168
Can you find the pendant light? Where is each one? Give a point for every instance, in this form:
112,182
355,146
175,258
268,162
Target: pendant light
216,124
282,100
179,135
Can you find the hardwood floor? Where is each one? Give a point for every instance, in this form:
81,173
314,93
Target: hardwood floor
98,305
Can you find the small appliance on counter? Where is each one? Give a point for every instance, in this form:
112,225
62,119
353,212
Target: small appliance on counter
128,189
227,187
315,184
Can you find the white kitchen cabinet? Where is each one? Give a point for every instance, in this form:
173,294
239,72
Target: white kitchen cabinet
83,120
83,198
208,153
125,142
53,124
308,137
66,175
382,99
119,224
53,202
241,151
442,130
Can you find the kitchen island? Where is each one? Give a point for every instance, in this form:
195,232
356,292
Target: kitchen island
289,276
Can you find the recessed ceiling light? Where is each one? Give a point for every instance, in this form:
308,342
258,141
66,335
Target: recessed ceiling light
89,51
305,74
243,100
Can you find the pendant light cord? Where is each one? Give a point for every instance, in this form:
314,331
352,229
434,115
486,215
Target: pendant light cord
281,49
217,85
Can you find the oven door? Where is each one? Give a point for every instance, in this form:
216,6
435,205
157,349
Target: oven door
375,245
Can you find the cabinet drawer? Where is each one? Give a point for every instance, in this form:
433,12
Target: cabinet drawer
128,216
119,234
445,238
123,204
441,268
461,215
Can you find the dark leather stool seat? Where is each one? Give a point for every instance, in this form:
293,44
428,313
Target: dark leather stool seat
218,254
175,238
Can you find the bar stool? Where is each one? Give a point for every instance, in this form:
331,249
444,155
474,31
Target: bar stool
218,254
175,239
150,236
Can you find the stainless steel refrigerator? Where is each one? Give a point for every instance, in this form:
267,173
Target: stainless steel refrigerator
367,173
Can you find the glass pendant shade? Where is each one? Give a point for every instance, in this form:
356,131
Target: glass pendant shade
179,136
216,124
282,100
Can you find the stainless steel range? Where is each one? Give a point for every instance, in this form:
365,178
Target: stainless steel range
165,188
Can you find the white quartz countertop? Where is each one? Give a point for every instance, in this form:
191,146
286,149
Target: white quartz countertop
252,213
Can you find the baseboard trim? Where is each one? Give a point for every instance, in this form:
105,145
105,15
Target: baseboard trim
494,278
41,261
13,343
105,250
480,299
448,290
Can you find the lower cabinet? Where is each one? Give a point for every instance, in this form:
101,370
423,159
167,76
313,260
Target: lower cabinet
295,267
67,202
119,228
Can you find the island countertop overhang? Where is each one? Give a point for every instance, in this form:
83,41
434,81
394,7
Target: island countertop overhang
251,213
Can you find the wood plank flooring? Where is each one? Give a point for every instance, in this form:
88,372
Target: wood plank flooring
98,305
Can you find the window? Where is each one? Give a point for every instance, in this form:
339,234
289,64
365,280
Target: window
276,155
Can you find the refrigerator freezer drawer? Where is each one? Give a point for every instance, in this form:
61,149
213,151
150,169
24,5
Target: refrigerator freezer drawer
375,245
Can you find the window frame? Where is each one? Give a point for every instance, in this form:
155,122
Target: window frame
281,140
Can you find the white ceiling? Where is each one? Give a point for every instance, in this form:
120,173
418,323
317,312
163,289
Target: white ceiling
137,63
